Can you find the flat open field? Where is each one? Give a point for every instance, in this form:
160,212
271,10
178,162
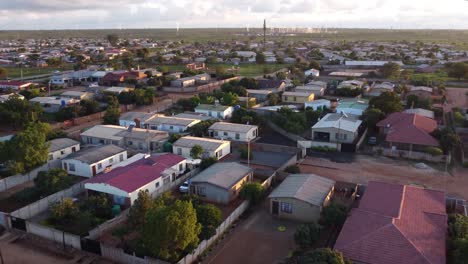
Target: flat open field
456,37
367,168
14,72
247,70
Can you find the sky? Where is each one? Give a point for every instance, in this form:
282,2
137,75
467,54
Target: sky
95,14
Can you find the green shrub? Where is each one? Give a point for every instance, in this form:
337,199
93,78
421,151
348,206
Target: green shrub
27,195
252,191
434,151
293,169
307,235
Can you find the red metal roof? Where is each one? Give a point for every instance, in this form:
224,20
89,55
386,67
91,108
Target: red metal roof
410,129
396,224
136,175
14,83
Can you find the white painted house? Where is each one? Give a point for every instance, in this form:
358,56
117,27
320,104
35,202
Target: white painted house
317,104
92,161
170,124
136,119
231,131
211,147
151,173
62,147
216,111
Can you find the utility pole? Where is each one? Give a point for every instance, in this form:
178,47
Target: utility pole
264,34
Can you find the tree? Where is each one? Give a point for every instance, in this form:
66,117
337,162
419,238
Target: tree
390,70
64,211
281,75
307,235
314,65
245,153
144,96
458,70
448,139
458,226
201,129
210,217
273,99
113,111
334,215
99,205
52,181
19,112
171,230
260,58
459,251
323,256
220,71
3,72
230,99
249,83
196,151
252,191
139,209
293,169
406,75
207,162
89,107
387,102
113,39
372,116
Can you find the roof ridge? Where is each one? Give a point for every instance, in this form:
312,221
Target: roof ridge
411,242
402,201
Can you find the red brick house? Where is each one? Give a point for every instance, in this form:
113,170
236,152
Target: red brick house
115,78
396,224
408,131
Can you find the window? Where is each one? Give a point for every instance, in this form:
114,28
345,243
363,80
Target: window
216,133
140,145
181,167
51,156
111,160
220,153
219,115
171,127
71,167
130,143
237,136
121,157
201,191
285,98
286,207
62,152
294,98
209,113
157,185
179,151
225,134
99,166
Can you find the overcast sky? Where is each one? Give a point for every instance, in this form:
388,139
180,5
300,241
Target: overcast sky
84,14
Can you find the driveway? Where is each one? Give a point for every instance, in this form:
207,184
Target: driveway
256,240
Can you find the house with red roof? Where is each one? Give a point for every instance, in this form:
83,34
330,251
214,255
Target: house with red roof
408,131
14,85
151,173
117,77
396,224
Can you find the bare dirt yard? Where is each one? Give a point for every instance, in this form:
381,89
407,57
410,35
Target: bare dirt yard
367,168
456,97
255,240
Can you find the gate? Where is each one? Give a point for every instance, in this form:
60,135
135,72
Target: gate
18,223
351,148
90,245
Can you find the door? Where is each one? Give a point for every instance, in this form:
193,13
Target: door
274,207
94,170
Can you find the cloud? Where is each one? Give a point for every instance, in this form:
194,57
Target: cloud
58,14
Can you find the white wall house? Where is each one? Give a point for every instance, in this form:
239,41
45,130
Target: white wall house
136,119
216,111
92,161
151,173
211,147
170,123
316,104
62,147
231,131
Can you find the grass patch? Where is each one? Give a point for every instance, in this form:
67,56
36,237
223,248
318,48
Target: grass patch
15,72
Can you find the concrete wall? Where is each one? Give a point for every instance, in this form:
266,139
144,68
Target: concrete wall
54,235
301,211
60,154
98,140
230,135
18,179
85,170
217,194
350,136
225,149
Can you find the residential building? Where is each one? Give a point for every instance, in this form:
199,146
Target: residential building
14,85
312,72
422,92
118,90
408,131
370,63
273,85
217,111
54,104
318,104
221,182
92,161
77,95
193,115
378,88
396,224
151,173
170,124
301,197
260,95
335,129
60,148
212,148
231,131
316,90
421,112
352,106
6,97
351,84
191,80
297,97
136,119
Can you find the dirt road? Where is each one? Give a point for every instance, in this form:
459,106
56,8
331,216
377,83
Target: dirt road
367,168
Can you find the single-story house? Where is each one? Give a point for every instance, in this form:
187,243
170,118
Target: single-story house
14,85
422,92
118,90
297,97
62,147
170,124
312,72
352,106
193,115
54,104
216,110
301,197
211,147
351,84
271,85
408,131
378,88
231,131
317,104
420,111
92,161
136,119
221,182
78,95
6,97
396,224
151,173
316,90
132,138
334,129
260,95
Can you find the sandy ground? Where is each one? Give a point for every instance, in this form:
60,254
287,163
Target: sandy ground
255,241
367,168
456,97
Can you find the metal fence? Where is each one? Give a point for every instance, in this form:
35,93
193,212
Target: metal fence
13,181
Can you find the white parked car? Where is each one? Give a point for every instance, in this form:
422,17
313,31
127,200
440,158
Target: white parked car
184,187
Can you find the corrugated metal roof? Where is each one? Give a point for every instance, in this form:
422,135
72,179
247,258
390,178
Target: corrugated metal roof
222,174
208,107
343,122
93,155
205,143
61,143
309,188
104,131
224,126
172,120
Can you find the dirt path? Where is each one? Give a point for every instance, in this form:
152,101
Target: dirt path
366,168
